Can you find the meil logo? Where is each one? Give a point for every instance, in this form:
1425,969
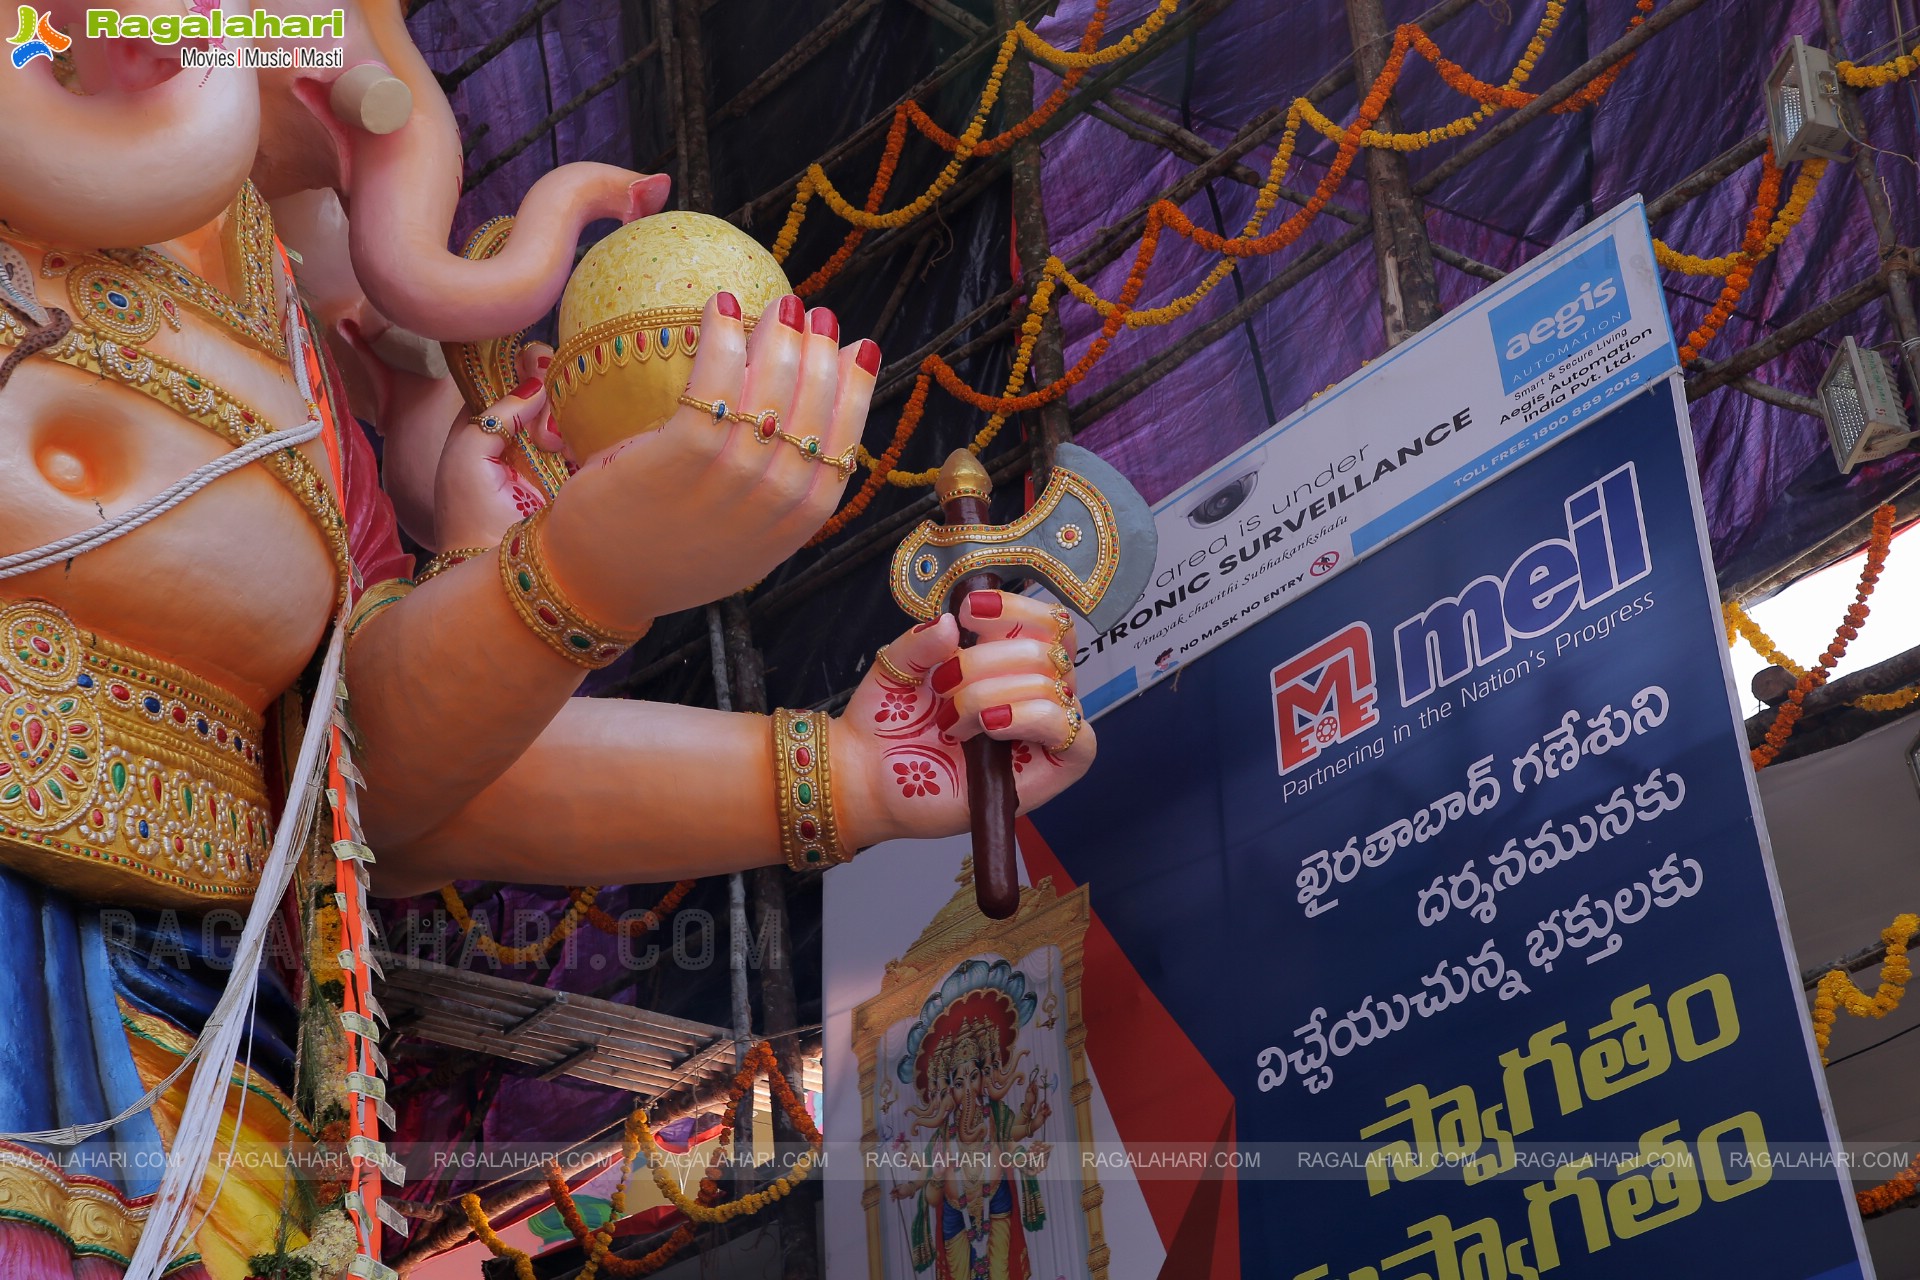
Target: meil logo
1324,695
37,37
1605,550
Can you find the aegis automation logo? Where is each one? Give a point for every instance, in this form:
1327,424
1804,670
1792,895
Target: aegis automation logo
1571,308
1324,695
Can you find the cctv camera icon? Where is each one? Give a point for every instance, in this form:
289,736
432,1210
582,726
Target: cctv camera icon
1225,498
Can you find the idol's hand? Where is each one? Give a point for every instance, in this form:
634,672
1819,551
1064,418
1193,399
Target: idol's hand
703,507
897,764
478,493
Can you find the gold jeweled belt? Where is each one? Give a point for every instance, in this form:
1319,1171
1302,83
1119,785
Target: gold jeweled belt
124,778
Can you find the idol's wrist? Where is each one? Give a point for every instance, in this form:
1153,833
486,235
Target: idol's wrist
595,577
858,801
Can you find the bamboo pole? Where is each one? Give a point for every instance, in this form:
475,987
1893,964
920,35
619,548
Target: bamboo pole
1402,254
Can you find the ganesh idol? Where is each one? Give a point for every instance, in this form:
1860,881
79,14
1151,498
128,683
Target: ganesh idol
193,530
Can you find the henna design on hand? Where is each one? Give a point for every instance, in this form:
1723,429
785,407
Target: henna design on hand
921,771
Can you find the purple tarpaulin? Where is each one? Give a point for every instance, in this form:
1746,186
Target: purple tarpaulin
1692,92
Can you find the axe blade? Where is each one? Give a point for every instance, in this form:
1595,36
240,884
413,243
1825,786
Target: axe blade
1090,539
1138,537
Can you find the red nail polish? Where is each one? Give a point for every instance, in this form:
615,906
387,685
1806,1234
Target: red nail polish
542,362
946,676
946,717
925,626
527,388
996,718
793,312
727,305
824,323
867,355
985,604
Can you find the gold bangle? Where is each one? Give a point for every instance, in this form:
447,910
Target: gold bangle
445,560
892,672
547,613
803,795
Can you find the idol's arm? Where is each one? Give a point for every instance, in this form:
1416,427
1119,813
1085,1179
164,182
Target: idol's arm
615,792
450,684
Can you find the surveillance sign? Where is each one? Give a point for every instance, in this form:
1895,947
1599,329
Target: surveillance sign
1527,361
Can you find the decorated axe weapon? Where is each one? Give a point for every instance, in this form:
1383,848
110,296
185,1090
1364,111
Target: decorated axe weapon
1090,539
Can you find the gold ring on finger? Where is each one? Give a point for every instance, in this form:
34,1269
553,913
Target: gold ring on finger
809,447
1062,660
892,670
493,425
719,410
1074,721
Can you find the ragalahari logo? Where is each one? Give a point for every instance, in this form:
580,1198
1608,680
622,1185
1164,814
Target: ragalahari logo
37,38
1324,695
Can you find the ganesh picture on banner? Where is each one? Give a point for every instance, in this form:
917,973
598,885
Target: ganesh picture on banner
974,1092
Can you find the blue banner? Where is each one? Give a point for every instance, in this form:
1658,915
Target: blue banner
1452,872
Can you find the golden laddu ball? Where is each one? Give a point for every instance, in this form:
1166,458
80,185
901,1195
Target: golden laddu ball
630,321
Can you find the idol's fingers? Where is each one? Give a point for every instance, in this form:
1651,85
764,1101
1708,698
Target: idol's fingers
998,615
719,371
1015,657
859,369
775,356
974,701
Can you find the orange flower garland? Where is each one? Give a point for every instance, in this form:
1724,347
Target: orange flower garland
882,180
1795,705
634,930
1890,1194
1162,215
760,1061
1096,27
582,902
1764,204
1767,230
703,1207
580,907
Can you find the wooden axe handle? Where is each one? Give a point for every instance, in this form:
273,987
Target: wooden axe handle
991,797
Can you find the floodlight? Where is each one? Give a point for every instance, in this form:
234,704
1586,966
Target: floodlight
1803,106
1858,398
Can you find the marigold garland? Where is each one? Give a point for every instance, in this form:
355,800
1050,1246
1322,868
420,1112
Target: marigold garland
577,908
705,1206
1783,224
483,1228
1121,312
1836,990
1890,1194
910,112
1881,74
1765,201
1791,710
1767,229
634,930
1740,624
580,907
